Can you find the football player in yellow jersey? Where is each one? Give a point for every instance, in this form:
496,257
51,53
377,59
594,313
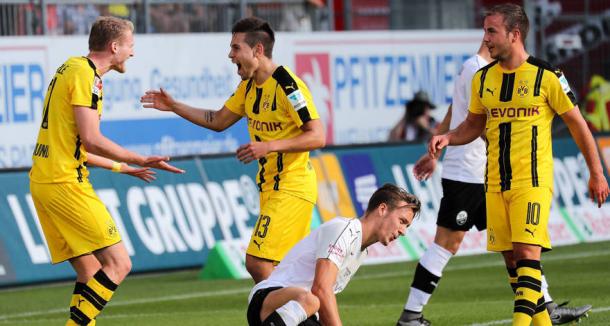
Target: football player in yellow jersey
515,99
284,126
76,224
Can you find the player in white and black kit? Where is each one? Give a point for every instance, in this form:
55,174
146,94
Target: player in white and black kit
462,206
322,264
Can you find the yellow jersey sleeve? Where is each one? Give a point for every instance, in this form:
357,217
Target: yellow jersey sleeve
560,96
476,106
299,102
84,91
236,103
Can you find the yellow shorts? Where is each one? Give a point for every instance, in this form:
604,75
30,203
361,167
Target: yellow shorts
284,220
74,220
520,215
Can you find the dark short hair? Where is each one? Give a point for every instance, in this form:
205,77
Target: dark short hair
392,195
257,31
514,18
107,29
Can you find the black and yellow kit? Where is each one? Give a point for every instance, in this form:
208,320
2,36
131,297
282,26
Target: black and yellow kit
520,105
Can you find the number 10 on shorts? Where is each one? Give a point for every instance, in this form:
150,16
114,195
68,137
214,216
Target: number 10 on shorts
533,213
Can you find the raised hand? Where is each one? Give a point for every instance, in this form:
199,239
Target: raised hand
160,100
253,151
160,162
146,174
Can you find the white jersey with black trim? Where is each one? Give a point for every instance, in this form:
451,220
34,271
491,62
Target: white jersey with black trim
339,240
465,163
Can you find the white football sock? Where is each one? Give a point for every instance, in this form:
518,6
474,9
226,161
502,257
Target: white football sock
292,313
433,261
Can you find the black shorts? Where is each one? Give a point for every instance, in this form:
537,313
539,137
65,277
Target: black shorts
256,304
462,206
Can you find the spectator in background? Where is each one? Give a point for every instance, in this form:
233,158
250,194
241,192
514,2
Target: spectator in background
417,124
169,18
296,17
77,19
119,10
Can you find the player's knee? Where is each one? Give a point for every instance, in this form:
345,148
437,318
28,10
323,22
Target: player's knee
309,302
452,246
449,240
525,251
119,269
126,266
86,273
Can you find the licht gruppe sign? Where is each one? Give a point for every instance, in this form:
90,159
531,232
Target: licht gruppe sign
176,221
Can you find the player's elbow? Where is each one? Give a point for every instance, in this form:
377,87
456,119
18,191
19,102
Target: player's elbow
213,127
318,140
217,127
90,142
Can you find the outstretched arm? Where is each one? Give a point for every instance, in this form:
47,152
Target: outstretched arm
210,119
88,125
311,138
467,131
146,174
323,283
598,185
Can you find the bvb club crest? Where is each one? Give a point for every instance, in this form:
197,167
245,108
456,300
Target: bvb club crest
523,90
266,102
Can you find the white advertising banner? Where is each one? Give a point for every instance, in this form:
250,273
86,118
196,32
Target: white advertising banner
360,82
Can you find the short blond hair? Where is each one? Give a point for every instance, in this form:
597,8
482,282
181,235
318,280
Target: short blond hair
107,29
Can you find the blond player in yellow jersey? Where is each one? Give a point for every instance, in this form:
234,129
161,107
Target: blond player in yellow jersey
284,126
514,99
76,224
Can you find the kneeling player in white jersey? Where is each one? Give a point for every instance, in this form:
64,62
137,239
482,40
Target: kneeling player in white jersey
321,265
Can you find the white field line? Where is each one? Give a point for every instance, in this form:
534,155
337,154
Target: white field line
47,321
176,297
195,295
584,254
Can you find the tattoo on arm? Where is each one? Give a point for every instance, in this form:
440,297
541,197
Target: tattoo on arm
209,116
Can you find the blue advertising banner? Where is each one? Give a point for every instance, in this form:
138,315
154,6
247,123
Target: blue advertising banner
174,136
175,221
172,222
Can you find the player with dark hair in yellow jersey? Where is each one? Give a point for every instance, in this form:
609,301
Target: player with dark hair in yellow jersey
515,99
284,126
76,224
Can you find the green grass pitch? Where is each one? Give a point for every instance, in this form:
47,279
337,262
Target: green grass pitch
473,290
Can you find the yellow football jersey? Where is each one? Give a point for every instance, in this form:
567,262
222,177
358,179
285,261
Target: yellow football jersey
59,155
520,105
276,110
